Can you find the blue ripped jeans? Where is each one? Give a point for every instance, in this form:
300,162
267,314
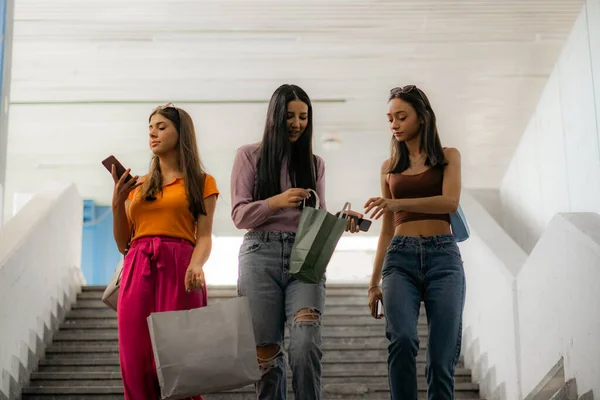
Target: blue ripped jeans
427,269
276,299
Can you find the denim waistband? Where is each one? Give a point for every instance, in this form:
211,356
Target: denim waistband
267,236
436,240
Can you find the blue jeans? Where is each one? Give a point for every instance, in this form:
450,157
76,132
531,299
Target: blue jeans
276,299
427,269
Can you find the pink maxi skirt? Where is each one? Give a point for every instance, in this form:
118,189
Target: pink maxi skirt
152,281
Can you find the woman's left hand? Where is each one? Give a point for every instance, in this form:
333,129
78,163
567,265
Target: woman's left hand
194,278
379,206
351,223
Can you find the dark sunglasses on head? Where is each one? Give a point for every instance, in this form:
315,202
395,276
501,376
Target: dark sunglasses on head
408,89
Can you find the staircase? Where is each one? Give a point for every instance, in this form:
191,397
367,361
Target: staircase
568,391
83,363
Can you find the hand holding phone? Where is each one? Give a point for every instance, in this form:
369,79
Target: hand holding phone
363,224
376,302
111,161
379,310
124,182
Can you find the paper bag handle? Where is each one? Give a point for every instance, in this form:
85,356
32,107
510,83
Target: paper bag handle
317,204
187,297
344,213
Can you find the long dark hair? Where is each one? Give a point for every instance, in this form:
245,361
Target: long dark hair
430,140
276,146
189,162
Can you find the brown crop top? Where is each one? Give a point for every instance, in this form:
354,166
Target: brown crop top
425,184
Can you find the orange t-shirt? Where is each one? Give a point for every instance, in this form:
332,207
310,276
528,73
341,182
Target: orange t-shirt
169,214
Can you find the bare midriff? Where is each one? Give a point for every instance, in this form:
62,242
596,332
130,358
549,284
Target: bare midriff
429,227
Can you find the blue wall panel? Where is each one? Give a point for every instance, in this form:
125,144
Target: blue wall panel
100,255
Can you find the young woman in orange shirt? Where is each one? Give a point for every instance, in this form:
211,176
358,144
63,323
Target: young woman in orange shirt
166,220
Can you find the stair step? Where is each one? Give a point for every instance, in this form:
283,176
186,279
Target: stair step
362,358
110,348
92,300
90,396
116,380
343,343
333,290
368,396
233,396
328,332
587,396
348,355
348,388
328,321
329,370
362,309
332,315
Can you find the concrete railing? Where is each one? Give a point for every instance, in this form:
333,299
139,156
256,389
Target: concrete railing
40,275
559,303
490,341
523,313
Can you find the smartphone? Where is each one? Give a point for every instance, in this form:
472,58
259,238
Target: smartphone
111,160
363,224
379,309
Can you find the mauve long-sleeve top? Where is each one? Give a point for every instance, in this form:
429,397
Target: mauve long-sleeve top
256,215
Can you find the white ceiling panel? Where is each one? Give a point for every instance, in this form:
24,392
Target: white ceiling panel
87,73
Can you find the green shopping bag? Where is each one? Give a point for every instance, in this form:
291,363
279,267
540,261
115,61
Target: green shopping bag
317,236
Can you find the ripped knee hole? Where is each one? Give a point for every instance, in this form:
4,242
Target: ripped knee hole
268,352
307,316
267,356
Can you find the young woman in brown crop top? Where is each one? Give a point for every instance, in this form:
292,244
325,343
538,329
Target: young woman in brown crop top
417,258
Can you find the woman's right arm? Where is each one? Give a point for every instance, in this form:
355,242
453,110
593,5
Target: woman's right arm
245,212
120,205
385,237
121,226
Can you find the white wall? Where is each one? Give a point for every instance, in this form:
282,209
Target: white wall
556,167
1,206
490,341
19,201
559,300
40,256
523,313
490,200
